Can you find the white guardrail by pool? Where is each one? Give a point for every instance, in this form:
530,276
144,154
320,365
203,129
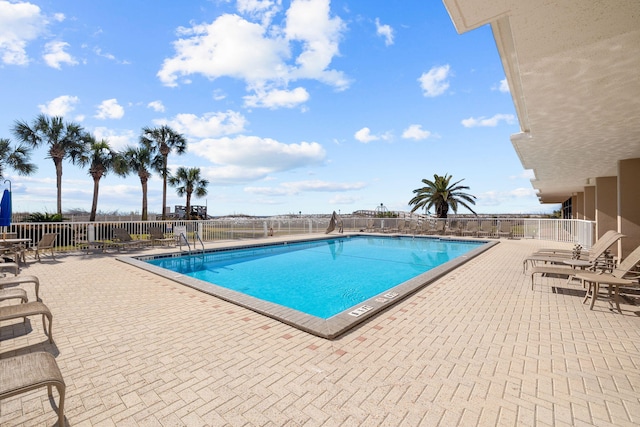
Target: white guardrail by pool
72,234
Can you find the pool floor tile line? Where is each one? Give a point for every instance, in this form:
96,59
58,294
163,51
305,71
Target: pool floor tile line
477,347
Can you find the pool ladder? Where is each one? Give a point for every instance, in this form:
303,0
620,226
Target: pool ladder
183,237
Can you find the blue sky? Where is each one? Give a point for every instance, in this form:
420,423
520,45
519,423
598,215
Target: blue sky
287,106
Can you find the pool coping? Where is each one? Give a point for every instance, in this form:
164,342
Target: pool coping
334,326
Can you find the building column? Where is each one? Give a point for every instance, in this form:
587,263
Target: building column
629,204
590,203
578,207
606,204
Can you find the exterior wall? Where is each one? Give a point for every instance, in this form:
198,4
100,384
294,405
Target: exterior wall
606,204
590,203
629,204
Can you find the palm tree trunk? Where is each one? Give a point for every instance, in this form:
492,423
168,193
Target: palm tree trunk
188,205
94,204
58,164
144,200
164,187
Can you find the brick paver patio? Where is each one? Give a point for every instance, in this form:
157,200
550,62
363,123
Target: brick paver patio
477,347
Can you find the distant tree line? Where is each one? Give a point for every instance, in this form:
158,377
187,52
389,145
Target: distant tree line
69,141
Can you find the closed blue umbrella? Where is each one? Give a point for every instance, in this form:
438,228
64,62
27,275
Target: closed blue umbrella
5,209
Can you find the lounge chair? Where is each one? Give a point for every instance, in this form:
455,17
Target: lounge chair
471,229
9,266
436,228
505,229
123,239
486,229
47,242
571,252
87,241
596,252
623,275
25,310
157,235
6,282
393,229
14,293
14,250
27,372
453,228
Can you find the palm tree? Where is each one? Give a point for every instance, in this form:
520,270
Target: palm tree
163,140
16,158
65,140
140,160
101,159
188,181
441,194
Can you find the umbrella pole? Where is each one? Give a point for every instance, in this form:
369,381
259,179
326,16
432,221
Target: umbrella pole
4,229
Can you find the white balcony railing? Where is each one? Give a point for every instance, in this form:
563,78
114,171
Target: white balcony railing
71,234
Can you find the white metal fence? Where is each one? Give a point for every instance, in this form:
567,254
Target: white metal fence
71,234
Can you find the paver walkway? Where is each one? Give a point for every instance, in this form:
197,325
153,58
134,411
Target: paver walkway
477,347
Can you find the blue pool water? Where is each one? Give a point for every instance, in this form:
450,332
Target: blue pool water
321,278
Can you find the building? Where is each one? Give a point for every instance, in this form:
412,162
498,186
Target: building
573,71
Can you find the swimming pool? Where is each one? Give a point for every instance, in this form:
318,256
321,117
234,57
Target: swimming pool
323,286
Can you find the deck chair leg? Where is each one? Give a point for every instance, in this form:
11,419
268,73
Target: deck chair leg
44,326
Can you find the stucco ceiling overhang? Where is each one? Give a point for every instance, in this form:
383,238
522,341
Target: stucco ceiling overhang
573,68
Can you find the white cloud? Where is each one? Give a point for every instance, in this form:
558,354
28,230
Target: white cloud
229,46
232,174
117,139
488,122
209,125
60,106
343,199
365,136
98,51
526,174
309,22
109,109
156,106
434,82
385,31
277,98
218,95
293,188
522,192
20,23
502,198
504,86
416,132
247,158
260,54
55,54
264,10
